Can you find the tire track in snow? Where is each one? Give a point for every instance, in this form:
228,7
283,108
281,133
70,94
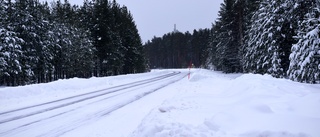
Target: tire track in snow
128,84
100,114
72,126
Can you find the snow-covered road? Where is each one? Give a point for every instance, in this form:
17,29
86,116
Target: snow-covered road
79,110
163,103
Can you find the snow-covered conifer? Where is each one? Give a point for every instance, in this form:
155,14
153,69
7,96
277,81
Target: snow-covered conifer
265,46
305,56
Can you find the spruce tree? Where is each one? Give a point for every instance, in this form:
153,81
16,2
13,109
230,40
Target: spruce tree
10,46
134,60
228,45
269,39
39,44
212,60
305,56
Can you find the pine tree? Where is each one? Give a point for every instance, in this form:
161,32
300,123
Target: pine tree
228,40
10,46
73,52
228,37
39,44
116,58
45,66
199,43
305,59
102,36
211,62
251,6
269,39
131,44
42,68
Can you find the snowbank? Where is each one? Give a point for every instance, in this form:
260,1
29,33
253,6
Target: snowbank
215,104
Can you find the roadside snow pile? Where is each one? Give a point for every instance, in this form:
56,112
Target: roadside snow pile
212,104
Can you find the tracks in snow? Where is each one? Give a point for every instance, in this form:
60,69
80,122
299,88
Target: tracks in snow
28,116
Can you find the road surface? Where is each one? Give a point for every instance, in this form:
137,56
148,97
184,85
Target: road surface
65,116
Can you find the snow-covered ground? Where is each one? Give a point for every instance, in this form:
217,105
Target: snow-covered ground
17,97
209,104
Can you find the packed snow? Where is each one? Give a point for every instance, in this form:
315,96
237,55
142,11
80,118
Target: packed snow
208,104
22,96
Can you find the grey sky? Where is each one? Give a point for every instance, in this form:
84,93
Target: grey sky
157,17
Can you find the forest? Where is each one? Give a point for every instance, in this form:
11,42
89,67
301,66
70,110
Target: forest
42,42
177,49
276,37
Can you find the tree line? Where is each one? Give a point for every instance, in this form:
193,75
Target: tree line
276,37
42,43
178,50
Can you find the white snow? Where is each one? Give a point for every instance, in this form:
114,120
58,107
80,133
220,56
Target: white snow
209,104
249,105
22,96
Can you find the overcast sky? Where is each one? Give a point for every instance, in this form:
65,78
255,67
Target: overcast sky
157,17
